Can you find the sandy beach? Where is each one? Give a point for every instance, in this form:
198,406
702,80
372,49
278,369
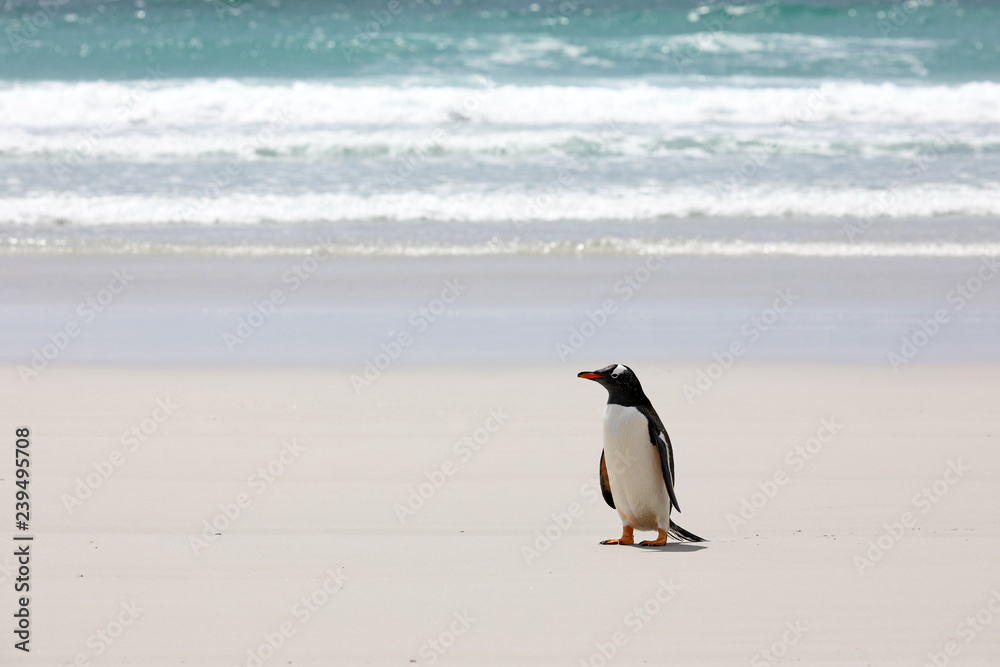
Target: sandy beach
260,510
468,492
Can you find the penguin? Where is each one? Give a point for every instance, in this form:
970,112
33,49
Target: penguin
637,463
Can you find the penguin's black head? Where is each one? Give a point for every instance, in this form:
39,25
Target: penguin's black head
622,384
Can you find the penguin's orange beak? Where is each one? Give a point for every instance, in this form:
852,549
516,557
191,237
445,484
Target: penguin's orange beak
587,375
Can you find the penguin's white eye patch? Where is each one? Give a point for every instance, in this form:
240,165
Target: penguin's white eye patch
619,369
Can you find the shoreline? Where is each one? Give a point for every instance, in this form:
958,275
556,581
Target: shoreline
148,309
850,236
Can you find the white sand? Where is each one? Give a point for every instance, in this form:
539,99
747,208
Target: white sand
332,509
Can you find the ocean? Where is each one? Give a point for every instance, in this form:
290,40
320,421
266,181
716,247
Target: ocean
456,127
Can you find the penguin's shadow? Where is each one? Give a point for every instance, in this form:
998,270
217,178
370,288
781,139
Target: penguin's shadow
670,548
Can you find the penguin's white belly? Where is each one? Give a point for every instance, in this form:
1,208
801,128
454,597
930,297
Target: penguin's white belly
634,470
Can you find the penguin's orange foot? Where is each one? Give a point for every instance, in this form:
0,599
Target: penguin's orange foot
626,537
660,540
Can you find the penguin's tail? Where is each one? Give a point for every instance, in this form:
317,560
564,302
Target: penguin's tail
682,535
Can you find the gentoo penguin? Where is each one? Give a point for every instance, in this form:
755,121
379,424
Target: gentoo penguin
637,464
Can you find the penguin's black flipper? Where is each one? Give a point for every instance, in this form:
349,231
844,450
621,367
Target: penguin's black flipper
605,484
658,438
682,535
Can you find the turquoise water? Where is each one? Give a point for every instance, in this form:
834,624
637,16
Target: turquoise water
415,122
461,130
516,41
